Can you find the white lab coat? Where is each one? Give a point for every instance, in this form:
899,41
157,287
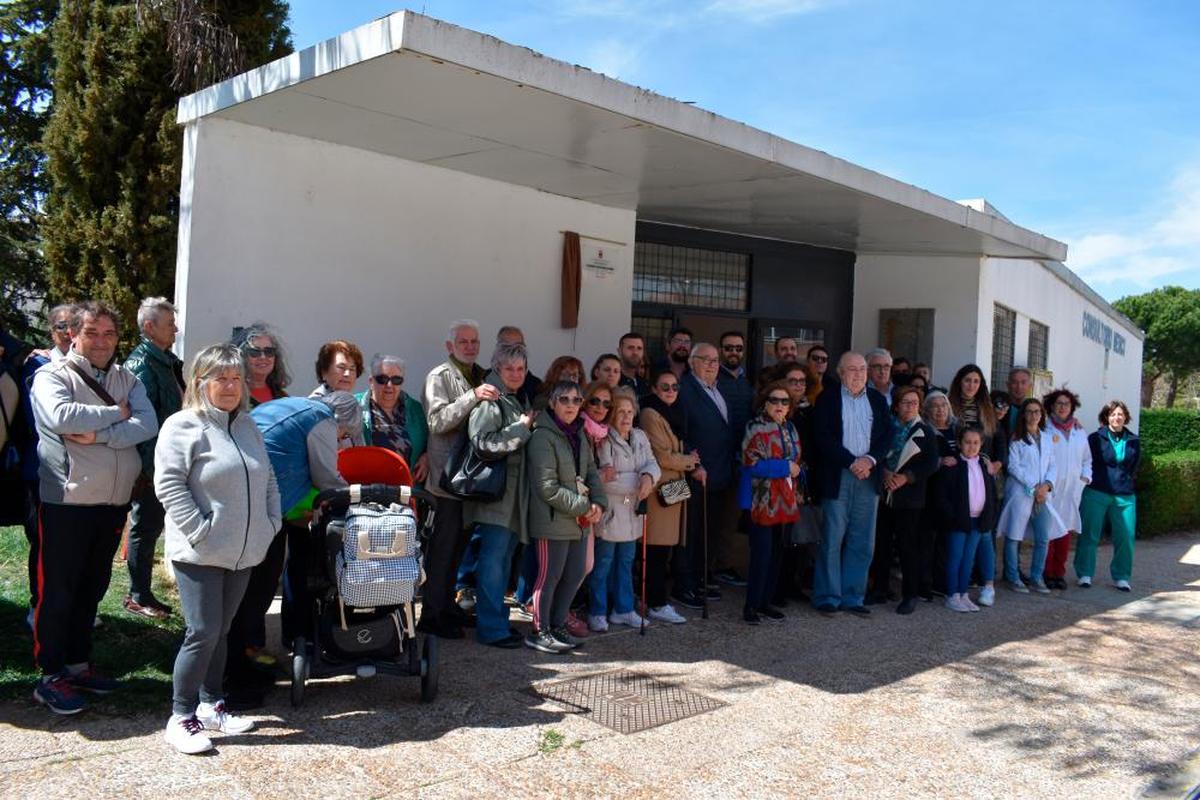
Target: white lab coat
1073,462
1027,466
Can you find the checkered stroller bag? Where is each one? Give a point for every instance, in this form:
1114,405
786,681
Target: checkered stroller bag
380,562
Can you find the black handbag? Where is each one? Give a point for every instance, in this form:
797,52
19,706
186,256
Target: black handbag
469,476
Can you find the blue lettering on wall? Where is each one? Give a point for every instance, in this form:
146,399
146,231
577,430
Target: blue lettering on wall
1102,333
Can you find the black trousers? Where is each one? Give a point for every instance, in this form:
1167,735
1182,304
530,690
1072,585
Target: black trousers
657,559
885,550
690,567
145,526
75,555
31,535
249,626
916,553
446,547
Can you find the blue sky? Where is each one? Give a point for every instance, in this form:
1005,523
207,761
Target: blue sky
1080,120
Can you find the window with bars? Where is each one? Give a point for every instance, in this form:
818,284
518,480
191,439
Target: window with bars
1004,339
690,276
655,329
1039,345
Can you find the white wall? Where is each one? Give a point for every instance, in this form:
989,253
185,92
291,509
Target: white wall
325,242
1078,362
948,285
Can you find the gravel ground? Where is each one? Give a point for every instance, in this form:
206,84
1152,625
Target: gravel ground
1082,694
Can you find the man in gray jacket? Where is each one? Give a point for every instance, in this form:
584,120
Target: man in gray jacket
452,390
91,413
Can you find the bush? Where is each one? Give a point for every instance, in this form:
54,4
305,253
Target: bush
1165,430
1169,491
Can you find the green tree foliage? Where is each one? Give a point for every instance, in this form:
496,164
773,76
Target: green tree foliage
26,66
114,148
1170,316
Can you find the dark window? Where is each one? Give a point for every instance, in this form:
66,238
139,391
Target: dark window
690,276
655,330
907,332
1039,345
1004,338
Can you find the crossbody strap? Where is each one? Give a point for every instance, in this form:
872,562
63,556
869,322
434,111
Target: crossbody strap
93,384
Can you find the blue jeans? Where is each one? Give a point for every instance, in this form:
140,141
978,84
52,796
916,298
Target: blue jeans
613,568
465,579
985,556
847,543
528,575
496,546
1041,543
960,558
766,554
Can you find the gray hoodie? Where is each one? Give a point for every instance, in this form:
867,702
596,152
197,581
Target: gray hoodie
214,479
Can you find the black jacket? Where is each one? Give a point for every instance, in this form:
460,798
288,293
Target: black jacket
917,469
1107,475
951,499
831,458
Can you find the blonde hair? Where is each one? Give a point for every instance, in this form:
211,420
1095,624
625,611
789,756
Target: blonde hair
208,364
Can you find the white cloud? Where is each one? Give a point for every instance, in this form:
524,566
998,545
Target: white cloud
1159,244
616,58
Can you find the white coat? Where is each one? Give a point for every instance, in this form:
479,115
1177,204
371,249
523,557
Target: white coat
1073,462
1027,466
631,459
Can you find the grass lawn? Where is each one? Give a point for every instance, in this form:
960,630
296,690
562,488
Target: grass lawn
137,650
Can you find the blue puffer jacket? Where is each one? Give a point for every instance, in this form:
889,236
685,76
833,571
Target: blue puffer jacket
285,425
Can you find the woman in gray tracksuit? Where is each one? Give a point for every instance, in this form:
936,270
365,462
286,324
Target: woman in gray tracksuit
214,478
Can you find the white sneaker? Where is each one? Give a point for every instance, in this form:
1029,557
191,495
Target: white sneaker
217,718
629,618
987,596
966,601
668,614
186,734
597,623
1085,581
954,603
1123,585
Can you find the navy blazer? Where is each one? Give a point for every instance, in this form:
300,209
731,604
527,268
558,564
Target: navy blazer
1107,475
708,432
739,399
831,457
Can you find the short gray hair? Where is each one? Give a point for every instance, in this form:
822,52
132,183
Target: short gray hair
561,388
627,394
461,323
151,308
697,346
507,353
64,308
379,359
1028,372
877,353
208,364
346,412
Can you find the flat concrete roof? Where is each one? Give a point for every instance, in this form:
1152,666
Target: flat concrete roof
417,88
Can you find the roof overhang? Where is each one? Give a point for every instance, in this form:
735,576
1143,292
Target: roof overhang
420,89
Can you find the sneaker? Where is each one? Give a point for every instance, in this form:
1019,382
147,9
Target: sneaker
543,642
56,693
987,596
689,600
513,640
1040,586
955,603
186,734
729,577
907,606
713,594
630,618
667,614
261,658
1123,585
216,717
597,623
966,601
858,611
88,680
1018,587
771,614
523,613
750,617
465,599
564,636
575,626
139,610
1085,581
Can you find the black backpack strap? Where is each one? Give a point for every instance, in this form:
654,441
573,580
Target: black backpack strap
93,384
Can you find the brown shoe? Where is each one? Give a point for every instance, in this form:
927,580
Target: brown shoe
144,611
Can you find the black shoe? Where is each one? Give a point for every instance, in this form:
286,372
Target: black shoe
729,577
441,630
827,610
858,611
510,642
713,595
875,599
799,595
779,601
688,600
772,614
907,605
750,617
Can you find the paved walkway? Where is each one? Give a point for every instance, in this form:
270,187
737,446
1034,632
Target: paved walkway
1085,694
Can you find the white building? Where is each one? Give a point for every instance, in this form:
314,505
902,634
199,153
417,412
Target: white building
382,183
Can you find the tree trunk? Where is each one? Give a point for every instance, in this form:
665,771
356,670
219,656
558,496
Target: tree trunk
1172,390
1148,381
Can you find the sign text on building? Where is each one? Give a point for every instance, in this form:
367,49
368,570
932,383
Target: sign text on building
1102,333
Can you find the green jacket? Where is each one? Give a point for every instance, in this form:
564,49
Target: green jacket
161,372
414,423
495,428
555,500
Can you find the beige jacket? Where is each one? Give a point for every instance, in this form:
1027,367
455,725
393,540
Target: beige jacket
448,400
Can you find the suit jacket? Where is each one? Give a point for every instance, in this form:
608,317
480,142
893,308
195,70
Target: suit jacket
832,459
708,432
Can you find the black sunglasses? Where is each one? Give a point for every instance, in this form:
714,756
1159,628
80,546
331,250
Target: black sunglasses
819,359
596,401
779,401
668,387
260,352
384,380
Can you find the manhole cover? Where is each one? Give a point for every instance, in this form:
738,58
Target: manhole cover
625,701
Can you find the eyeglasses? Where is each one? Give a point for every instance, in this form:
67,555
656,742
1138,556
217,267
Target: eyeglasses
384,380
733,348
880,366
260,352
596,401
668,387
573,400
819,359
680,341
797,382
61,326
779,401
705,359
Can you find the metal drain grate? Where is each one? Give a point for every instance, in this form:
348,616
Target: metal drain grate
625,701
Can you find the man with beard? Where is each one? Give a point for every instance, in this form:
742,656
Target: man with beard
786,349
632,350
679,350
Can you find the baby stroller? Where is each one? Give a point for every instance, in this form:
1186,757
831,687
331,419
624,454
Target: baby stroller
363,575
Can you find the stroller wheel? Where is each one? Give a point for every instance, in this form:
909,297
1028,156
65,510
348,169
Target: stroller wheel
300,669
429,670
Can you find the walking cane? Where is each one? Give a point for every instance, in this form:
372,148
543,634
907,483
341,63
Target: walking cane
645,526
704,551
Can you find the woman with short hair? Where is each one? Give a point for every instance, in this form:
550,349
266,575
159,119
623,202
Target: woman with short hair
1111,497
214,479
339,365
1073,460
392,418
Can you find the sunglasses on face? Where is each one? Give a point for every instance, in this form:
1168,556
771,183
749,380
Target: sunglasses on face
819,359
384,380
797,382
779,401
668,387
261,352
596,401
571,401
